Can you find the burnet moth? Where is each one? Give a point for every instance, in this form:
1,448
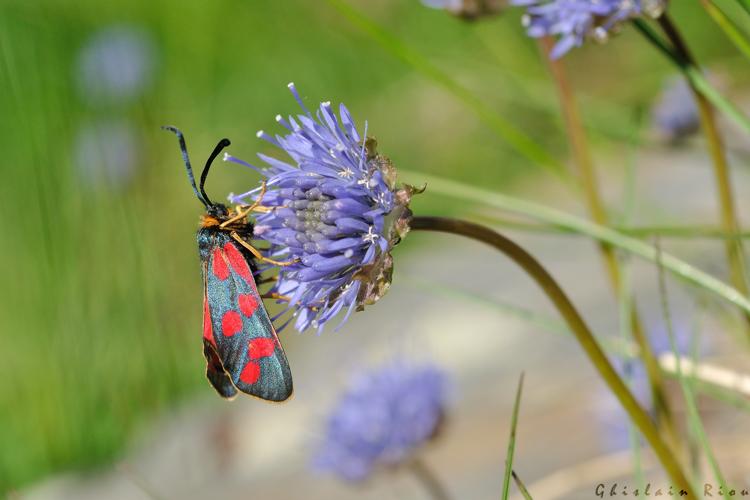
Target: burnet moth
243,352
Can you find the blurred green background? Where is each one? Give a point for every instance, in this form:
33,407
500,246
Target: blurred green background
100,319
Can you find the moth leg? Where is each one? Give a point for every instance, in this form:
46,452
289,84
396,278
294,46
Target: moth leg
284,298
270,279
258,255
254,207
276,296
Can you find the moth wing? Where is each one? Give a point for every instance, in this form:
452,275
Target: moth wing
215,373
244,338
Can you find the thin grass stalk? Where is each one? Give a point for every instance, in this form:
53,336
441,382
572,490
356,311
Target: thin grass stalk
512,440
588,177
521,487
578,326
733,247
626,328
643,232
503,127
471,194
724,385
696,77
694,418
730,28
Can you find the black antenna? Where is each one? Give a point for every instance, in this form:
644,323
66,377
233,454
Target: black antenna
222,144
186,159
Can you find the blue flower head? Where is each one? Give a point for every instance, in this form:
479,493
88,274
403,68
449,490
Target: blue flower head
335,211
675,115
382,419
575,21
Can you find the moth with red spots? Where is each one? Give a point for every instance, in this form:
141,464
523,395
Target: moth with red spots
243,352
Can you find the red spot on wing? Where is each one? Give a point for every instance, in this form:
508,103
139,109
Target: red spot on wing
248,304
231,323
208,331
261,347
219,265
251,373
238,263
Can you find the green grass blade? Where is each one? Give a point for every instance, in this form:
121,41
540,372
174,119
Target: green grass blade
528,316
625,303
696,77
667,231
512,439
689,273
730,28
626,349
694,418
503,127
521,487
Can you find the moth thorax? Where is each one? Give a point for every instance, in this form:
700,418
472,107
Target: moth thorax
209,221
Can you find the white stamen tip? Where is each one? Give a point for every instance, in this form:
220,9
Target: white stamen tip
259,134
279,118
327,104
290,85
226,158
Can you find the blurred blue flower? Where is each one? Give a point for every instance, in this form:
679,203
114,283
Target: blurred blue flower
675,115
336,212
105,153
451,5
574,21
115,65
612,419
382,419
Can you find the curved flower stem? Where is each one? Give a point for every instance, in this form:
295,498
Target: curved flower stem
587,175
577,325
734,250
429,481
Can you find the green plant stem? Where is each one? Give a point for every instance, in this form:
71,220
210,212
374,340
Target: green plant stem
730,223
558,218
696,77
745,4
428,480
577,325
587,175
730,28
